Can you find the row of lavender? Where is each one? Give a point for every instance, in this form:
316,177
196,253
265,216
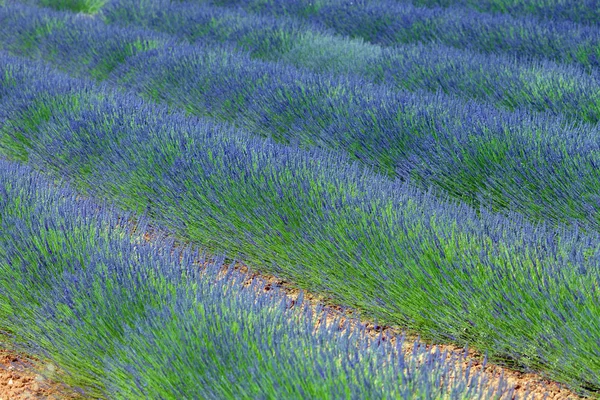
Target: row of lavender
521,292
127,319
505,80
538,85
393,22
540,165
584,11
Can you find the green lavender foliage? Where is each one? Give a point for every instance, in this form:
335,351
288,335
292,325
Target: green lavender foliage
81,6
127,319
295,205
506,160
526,294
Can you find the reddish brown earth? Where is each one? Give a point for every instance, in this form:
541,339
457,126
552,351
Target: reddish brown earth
20,376
526,385
23,378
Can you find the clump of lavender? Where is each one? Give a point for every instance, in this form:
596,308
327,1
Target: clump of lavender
125,319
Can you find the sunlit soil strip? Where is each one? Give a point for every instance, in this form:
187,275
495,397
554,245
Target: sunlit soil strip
524,385
22,377
527,385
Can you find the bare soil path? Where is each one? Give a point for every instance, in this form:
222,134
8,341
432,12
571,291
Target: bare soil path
23,378
526,385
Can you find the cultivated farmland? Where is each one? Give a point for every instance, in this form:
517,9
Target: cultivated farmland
216,199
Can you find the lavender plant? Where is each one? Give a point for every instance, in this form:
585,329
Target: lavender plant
525,293
98,51
504,80
126,319
470,150
82,6
584,12
391,23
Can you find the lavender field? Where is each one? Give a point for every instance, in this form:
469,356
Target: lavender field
433,165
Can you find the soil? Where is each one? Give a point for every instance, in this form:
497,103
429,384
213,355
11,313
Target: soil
24,378
526,385
20,376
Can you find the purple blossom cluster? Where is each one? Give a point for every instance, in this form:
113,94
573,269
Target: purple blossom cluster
434,168
126,318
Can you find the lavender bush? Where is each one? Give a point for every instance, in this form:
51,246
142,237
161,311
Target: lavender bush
128,319
392,22
435,168
525,293
468,149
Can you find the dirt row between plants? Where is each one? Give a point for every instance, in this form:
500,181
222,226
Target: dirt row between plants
22,377
529,385
526,385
